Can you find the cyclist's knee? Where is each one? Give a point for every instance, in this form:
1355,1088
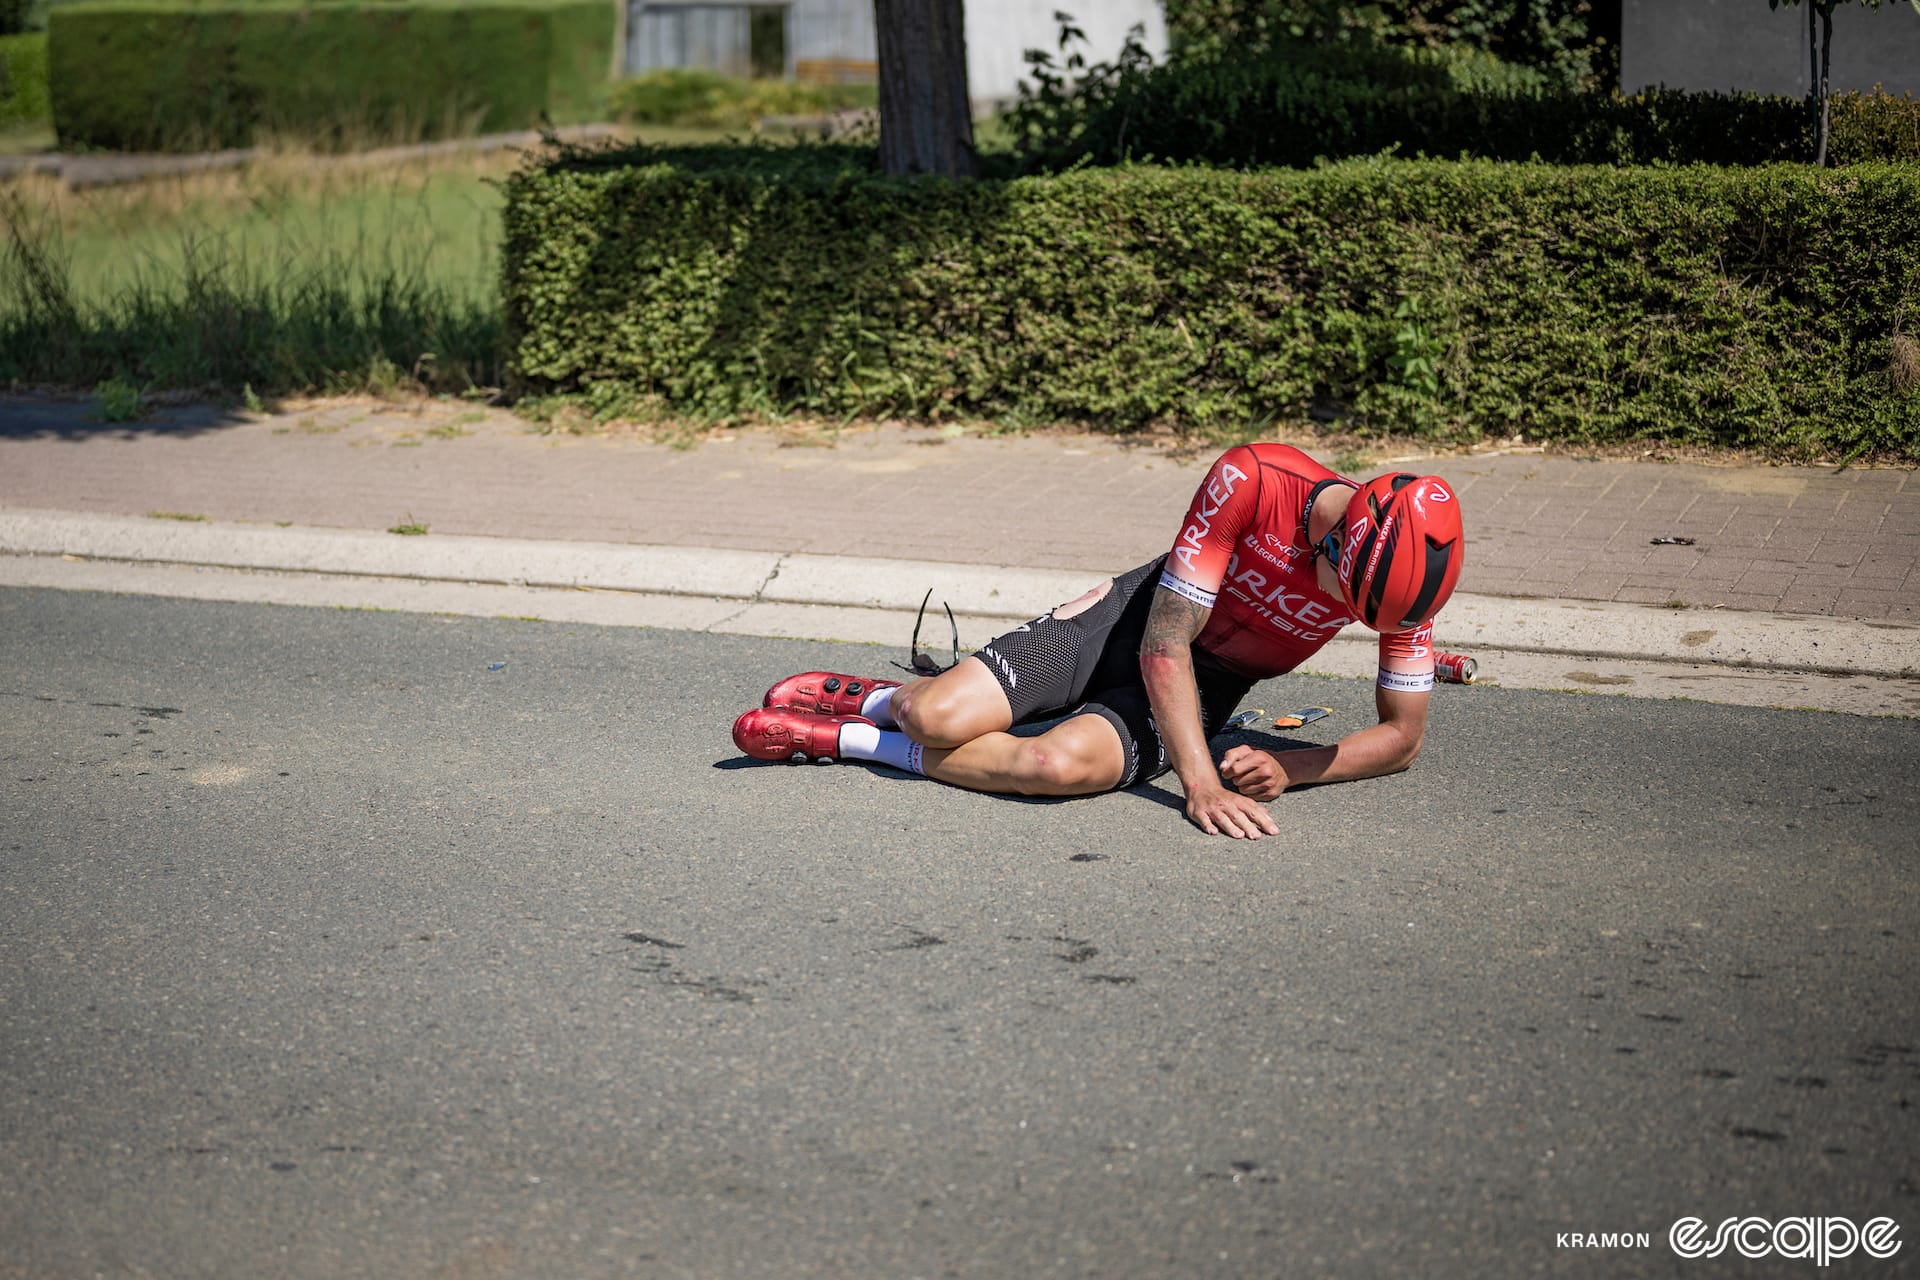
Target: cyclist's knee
942,714
1050,768
1077,758
955,707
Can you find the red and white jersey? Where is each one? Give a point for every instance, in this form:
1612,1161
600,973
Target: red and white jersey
1242,552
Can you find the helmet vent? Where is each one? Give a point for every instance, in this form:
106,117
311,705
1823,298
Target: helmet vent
1439,554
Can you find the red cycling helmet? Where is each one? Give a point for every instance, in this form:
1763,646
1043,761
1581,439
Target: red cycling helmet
1401,551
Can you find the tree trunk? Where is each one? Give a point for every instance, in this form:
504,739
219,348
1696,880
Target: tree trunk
926,122
1826,67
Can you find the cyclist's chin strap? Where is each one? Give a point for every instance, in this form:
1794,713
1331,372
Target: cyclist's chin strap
1306,511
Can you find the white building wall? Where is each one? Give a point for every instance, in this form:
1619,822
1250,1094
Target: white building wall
1743,45
711,37
999,32
830,30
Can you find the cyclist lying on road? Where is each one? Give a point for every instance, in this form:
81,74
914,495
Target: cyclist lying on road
1276,554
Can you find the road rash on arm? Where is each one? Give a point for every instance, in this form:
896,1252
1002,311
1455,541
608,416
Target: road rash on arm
1166,666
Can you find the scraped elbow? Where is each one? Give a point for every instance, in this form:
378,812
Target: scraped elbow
1158,655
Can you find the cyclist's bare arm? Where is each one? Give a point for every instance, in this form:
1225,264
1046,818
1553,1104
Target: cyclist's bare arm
1386,747
1166,667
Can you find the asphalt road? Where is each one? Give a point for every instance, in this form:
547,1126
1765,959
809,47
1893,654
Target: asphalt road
326,949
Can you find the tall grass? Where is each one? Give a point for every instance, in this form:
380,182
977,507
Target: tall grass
295,274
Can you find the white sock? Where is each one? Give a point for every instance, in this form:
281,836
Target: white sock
878,707
884,746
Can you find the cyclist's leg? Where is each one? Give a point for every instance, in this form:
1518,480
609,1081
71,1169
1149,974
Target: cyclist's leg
953,707
1079,756
1110,741
1028,674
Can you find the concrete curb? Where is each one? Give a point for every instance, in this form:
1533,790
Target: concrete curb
1654,633
1715,637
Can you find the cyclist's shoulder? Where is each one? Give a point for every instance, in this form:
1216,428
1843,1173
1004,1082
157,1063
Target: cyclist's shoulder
1270,456
1281,472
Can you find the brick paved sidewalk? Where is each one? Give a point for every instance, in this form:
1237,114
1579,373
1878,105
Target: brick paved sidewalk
1798,540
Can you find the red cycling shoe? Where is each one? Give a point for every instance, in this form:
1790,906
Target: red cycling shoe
824,692
783,733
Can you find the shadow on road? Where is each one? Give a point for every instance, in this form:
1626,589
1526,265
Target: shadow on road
1144,790
80,418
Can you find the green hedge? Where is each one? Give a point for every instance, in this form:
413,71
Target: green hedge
144,77
1564,39
1873,126
1295,105
1747,308
23,79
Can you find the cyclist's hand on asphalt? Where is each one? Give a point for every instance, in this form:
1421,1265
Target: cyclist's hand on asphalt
1218,811
1252,773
